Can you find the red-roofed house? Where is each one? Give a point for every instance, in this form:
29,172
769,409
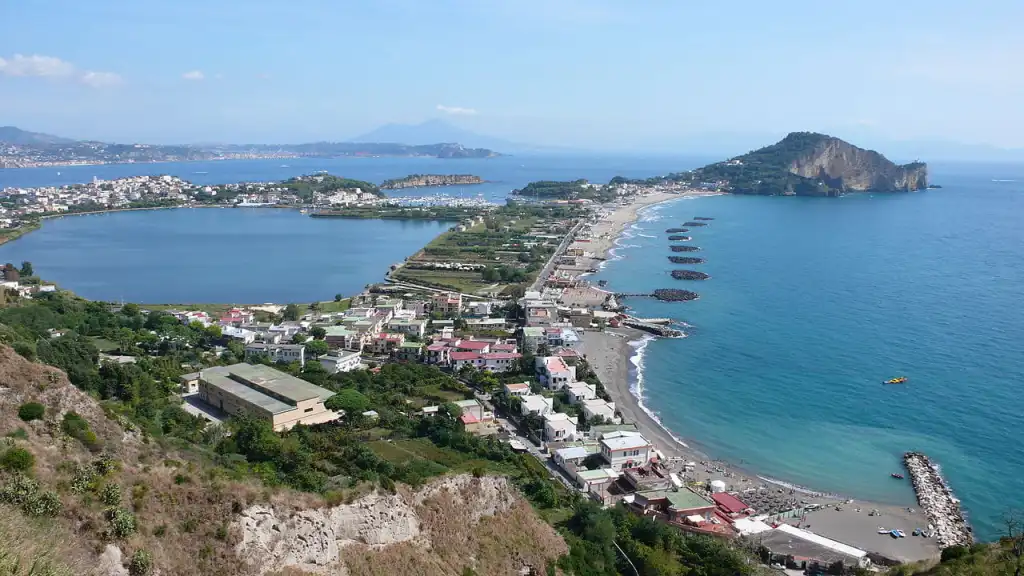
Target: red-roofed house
438,353
554,372
509,347
460,359
236,317
385,343
473,346
729,504
501,361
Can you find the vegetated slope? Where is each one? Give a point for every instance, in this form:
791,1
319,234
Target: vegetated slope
1005,557
144,504
811,164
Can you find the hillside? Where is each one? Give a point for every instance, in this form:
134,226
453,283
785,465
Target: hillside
811,164
14,135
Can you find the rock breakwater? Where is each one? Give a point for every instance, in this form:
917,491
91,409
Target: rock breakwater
685,260
674,295
689,275
684,248
946,519
694,224
676,230
702,218
680,238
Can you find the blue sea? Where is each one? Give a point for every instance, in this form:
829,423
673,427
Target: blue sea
811,304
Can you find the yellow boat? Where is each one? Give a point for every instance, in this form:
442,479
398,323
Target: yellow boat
899,380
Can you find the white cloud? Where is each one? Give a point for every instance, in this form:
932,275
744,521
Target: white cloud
457,110
193,75
52,67
100,79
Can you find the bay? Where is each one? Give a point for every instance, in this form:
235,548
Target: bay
812,303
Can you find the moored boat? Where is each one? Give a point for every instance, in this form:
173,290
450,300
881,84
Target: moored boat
899,380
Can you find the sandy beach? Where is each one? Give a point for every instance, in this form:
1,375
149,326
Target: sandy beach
609,353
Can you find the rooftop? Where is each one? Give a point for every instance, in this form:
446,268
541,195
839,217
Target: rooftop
684,499
625,442
516,387
473,345
270,389
729,503
471,403
465,356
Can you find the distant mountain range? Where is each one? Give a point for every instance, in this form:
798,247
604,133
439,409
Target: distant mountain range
20,148
437,130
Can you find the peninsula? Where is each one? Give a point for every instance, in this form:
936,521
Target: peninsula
423,180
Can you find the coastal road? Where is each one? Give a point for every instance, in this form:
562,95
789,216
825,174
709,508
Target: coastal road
551,261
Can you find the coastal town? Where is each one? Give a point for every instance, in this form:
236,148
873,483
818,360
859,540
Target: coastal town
543,355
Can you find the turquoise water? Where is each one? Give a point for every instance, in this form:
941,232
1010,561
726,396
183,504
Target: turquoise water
814,302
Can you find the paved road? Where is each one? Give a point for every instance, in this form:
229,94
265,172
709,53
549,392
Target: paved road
551,261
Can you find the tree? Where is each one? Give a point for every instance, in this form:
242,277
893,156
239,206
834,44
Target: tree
350,401
26,269
291,312
298,338
315,307
318,333
317,348
338,297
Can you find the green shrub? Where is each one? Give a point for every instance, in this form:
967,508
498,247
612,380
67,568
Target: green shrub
18,490
18,460
122,522
44,504
105,464
30,411
77,427
110,495
83,479
951,553
26,349
141,563
20,434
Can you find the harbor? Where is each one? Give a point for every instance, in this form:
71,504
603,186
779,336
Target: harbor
947,522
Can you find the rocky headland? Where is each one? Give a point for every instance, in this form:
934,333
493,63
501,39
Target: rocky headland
689,275
421,180
674,295
684,248
680,238
676,230
685,260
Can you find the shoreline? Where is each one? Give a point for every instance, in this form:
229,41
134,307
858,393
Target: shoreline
618,357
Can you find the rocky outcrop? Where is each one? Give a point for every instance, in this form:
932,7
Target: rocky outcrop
689,275
677,230
417,180
702,218
678,238
685,260
684,248
694,224
846,167
673,295
274,539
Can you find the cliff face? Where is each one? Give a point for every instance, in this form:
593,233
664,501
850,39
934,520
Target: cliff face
846,167
417,180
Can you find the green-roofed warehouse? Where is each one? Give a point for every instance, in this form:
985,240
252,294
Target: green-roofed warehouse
263,392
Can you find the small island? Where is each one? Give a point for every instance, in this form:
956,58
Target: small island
674,295
685,260
689,275
684,248
676,230
422,180
694,224
680,238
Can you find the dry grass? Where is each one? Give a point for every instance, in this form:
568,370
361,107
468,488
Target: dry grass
38,548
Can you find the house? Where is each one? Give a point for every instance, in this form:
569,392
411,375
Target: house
485,323
429,411
562,337
241,334
501,361
189,383
265,393
532,337
472,406
596,407
236,317
571,457
536,404
559,427
580,391
438,353
625,450
341,337
478,346
338,361
682,506
448,303
413,327
554,372
385,343
276,352
409,352
540,312
504,347
518,389
461,359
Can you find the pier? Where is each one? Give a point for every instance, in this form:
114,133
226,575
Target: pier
656,329
946,519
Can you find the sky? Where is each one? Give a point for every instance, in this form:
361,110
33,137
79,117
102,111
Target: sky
595,74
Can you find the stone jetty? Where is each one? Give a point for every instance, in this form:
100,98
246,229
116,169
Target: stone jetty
676,230
946,519
685,260
651,327
684,248
689,275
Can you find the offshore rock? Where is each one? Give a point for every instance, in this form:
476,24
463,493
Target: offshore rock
676,230
679,238
674,295
694,223
689,275
684,248
685,260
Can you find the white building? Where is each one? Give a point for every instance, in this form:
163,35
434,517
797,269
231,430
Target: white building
580,391
598,407
241,334
339,361
501,361
536,404
277,352
408,327
518,389
471,406
554,372
623,450
559,427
